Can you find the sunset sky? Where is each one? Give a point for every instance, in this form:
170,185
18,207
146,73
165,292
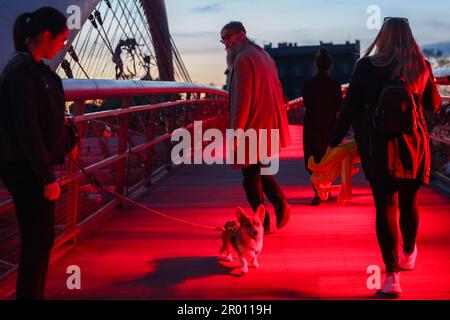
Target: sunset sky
195,25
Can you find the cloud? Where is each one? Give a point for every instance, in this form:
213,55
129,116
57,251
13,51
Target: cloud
437,24
208,8
196,34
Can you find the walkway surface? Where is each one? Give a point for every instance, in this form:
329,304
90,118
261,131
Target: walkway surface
323,252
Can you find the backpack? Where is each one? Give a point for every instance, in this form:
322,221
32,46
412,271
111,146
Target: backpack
397,109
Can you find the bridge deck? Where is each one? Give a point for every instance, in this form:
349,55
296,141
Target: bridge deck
322,253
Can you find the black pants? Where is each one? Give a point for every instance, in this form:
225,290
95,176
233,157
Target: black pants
256,185
390,194
35,215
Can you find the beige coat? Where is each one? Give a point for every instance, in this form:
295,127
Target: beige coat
256,96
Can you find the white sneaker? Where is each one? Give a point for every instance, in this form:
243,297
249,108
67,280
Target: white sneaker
392,284
408,261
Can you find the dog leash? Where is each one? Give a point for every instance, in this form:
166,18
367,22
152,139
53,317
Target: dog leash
93,180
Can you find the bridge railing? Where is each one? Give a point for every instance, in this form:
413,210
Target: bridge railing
440,143
125,128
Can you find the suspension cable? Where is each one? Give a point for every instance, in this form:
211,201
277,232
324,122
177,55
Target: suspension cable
74,56
151,39
183,66
138,10
125,33
131,28
141,55
94,23
107,62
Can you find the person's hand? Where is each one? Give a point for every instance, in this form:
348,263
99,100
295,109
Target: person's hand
52,191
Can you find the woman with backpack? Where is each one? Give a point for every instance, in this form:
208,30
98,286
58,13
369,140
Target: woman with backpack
384,103
33,139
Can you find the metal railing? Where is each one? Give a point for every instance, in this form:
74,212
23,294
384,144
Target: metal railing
125,143
440,144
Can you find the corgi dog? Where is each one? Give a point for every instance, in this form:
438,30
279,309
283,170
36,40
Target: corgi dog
244,235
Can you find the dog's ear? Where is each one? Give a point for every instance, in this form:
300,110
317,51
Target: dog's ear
261,212
241,215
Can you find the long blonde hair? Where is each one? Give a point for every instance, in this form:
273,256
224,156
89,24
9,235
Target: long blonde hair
395,44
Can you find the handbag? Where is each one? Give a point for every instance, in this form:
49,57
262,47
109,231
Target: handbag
72,137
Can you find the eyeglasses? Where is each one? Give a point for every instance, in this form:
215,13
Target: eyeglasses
402,18
226,37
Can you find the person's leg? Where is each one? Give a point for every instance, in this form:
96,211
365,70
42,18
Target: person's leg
409,213
36,220
276,196
35,215
316,200
272,190
254,190
385,197
253,186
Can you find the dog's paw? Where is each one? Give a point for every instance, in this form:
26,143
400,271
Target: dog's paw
226,258
244,270
255,264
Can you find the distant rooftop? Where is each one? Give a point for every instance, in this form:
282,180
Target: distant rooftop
293,47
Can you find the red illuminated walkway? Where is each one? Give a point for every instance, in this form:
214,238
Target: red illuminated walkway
322,253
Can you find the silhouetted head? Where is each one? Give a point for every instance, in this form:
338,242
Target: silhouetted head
323,60
395,44
234,37
42,32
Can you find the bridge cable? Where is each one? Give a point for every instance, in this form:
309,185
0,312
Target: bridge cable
102,49
91,56
65,65
144,22
123,29
84,45
119,24
139,31
74,56
92,19
108,62
148,32
141,55
153,42
181,62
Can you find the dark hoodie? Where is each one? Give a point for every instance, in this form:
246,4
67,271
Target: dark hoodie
32,108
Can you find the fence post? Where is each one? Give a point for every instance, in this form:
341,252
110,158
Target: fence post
151,134
72,192
123,141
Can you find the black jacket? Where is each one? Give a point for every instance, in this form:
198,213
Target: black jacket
401,155
32,108
322,97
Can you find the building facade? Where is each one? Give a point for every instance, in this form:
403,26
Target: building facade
296,63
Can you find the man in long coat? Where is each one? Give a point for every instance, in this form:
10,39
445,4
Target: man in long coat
256,102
